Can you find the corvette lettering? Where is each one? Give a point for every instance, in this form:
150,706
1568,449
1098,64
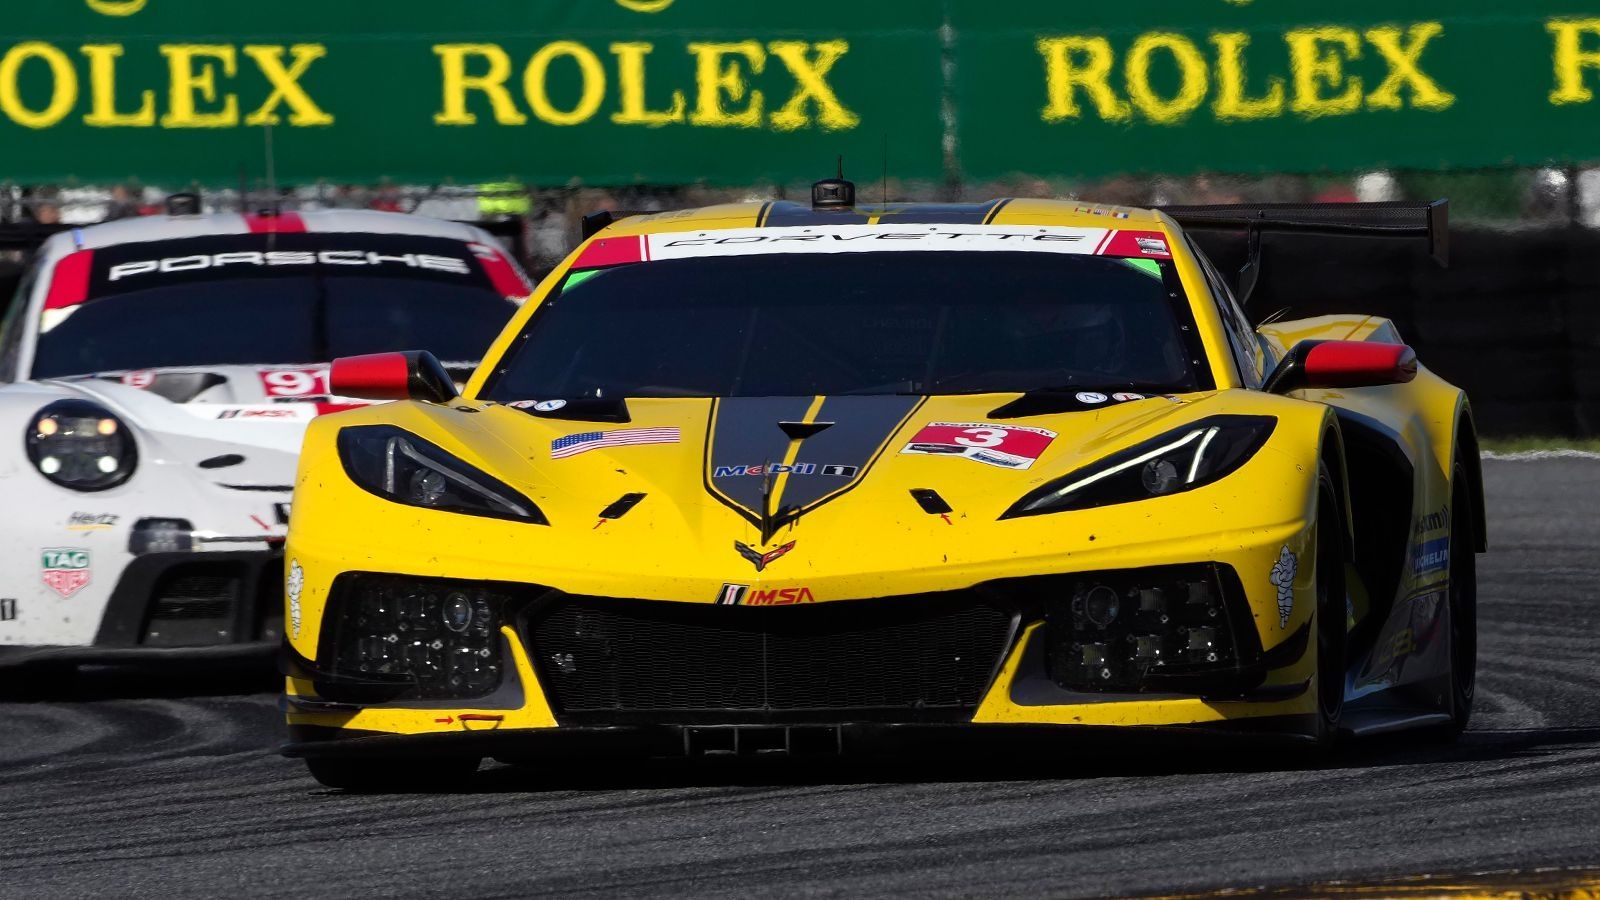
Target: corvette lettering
863,239
276,258
885,236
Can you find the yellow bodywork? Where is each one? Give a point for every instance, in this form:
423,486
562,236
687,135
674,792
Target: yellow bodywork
676,546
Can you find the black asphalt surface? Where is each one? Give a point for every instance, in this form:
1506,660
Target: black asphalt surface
151,786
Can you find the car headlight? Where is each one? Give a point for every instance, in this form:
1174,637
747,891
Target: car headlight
397,465
1180,460
81,445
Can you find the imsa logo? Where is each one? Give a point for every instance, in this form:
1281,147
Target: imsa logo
740,594
780,597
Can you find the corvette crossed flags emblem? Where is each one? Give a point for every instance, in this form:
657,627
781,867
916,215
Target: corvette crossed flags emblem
757,558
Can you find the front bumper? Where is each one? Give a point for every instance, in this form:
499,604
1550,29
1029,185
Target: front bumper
845,739
180,607
669,682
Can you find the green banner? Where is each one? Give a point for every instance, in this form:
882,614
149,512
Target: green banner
551,92
1183,86
557,92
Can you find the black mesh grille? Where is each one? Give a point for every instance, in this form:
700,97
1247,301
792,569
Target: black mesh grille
188,608
925,653
204,596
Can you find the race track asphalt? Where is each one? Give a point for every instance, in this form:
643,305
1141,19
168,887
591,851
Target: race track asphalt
135,786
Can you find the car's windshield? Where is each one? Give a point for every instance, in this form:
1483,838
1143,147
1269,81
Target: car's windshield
289,305
858,323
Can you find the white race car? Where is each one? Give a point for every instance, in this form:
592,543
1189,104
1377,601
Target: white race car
157,375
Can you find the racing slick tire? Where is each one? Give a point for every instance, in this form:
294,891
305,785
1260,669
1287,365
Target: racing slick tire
1331,612
364,776
1463,598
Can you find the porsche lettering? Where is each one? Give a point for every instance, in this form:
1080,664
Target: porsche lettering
274,258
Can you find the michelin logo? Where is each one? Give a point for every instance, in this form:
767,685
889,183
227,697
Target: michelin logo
1283,579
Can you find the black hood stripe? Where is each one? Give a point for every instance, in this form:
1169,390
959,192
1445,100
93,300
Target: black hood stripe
745,440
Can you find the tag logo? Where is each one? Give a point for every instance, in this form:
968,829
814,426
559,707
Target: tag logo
65,570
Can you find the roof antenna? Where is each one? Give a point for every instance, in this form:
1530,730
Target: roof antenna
885,171
272,207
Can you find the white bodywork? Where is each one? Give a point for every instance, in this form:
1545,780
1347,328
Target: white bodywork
257,413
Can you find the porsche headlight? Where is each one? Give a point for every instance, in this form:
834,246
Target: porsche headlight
81,445
1180,460
397,465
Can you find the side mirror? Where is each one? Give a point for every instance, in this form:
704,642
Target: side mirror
410,375
1342,364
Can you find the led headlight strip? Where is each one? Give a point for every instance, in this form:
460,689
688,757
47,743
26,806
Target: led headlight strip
1203,451
399,466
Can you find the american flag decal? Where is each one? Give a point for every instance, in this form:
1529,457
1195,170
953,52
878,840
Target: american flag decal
573,444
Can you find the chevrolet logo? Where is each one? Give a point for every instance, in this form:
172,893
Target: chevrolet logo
757,558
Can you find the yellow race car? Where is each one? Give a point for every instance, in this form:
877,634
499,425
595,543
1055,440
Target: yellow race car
777,478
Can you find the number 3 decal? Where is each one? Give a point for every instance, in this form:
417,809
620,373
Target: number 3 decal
982,437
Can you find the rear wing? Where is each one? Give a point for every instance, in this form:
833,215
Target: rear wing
596,222
1398,219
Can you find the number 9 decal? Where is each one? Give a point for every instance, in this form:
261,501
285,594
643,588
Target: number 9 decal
294,382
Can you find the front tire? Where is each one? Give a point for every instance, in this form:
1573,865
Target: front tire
1463,598
1331,613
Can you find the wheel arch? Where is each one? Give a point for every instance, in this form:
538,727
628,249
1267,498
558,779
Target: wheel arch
1332,455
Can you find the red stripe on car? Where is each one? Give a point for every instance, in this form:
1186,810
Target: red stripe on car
612,252
1136,244
69,283
282,223
506,278
326,408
